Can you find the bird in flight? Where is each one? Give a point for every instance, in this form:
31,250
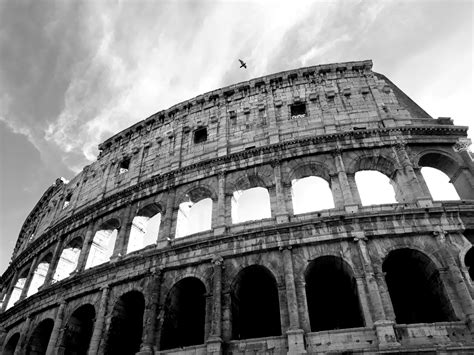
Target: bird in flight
243,64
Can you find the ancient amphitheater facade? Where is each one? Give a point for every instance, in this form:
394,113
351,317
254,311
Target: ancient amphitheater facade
146,251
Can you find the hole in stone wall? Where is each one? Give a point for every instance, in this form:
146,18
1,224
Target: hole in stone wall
124,166
103,244
250,205
38,342
78,331
68,260
469,262
200,135
331,292
125,332
38,277
145,228
439,184
311,193
374,188
415,287
255,305
67,200
11,344
18,289
185,310
298,110
194,217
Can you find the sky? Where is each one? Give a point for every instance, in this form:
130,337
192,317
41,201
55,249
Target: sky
73,73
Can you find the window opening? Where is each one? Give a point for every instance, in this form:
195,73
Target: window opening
68,260
67,201
38,278
439,184
250,205
298,110
374,188
200,135
194,217
124,166
144,231
103,244
311,194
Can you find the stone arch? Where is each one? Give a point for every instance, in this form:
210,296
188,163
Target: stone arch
469,262
11,344
309,168
415,287
171,278
145,227
379,162
184,314
332,296
78,330
195,210
103,243
38,342
125,332
18,288
260,176
459,176
39,275
68,259
255,304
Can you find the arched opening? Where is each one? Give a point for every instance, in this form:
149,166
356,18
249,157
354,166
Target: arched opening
255,305
194,217
103,243
459,177
331,292
250,205
185,311
18,288
145,228
415,287
125,332
78,331
439,184
11,344
311,193
469,262
39,275
68,260
38,342
374,188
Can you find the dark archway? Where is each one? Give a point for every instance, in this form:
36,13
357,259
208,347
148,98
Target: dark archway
125,334
11,344
185,311
255,305
331,292
415,287
78,331
38,342
469,262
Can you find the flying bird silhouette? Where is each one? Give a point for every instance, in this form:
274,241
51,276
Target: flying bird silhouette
243,64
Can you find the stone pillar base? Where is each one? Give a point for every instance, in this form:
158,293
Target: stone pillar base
386,334
282,218
424,202
351,208
296,341
220,230
214,346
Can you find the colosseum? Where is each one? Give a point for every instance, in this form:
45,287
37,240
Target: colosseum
234,223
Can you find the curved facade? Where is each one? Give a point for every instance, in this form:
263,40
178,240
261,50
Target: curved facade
151,249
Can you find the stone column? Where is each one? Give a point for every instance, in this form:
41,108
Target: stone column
221,207
281,212
214,342
58,323
24,332
53,264
9,290
123,235
383,326
99,322
350,202
151,313
29,277
166,227
295,334
363,298
86,246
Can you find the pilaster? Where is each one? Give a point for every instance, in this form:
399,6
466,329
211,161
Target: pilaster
58,323
99,322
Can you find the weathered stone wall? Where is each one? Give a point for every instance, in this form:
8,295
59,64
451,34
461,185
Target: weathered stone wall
355,120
